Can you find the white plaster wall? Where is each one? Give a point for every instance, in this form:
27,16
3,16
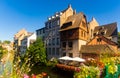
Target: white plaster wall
76,47
115,39
32,37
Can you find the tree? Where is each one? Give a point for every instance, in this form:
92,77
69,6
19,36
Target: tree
0,41
36,52
1,51
118,39
6,42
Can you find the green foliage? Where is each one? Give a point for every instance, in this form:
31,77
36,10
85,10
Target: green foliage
36,52
1,48
1,52
0,41
35,55
52,63
6,42
112,69
87,72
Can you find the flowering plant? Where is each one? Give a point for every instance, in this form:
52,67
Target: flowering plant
87,72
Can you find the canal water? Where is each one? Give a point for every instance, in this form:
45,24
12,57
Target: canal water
5,68
1,68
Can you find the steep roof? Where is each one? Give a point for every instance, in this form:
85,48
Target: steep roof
72,22
30,33
94,22
108,29
104,39
95,49
69,6
19,33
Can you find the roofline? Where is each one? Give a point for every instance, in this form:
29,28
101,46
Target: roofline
114,43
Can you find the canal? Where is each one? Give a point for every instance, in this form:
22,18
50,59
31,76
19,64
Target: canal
5,65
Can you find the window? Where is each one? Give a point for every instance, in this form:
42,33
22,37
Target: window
43,38
40,31
53,51
102,33
70,54
58,33
94,34
49,41
43,30
70,45
50,24
66,25
49,51
58,41
47,25
64,45
99,39
64,54
53,41
58,22
70,33
57,51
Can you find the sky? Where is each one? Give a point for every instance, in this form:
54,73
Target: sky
32,14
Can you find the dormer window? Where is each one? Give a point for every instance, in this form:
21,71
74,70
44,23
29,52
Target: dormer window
64,45
66,24
94,34
102,33
99,39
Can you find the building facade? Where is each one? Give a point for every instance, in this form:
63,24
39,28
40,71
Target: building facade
41,33
17,39
52,34
109,31
73,34
91,26
97,46
66,32
25,43
104,41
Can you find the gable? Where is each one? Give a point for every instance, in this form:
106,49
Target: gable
83,23
97,40
72,22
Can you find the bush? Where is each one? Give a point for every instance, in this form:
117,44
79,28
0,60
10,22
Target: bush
88,72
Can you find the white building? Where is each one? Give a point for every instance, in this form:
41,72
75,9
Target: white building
25,43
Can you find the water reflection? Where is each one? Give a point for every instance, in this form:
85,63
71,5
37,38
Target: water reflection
5,68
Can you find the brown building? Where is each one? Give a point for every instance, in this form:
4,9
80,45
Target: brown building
73,34
109,31
103,41
91,26
98,45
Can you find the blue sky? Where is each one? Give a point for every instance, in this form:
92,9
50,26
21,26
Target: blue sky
31,14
